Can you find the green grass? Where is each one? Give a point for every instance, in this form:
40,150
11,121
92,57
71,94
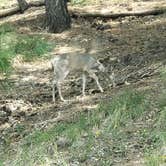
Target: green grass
7,38
37,155
100,133
155,157
5,28
161,120
32,47
1,162
93,125
70,130
154,160
163,75
5,61
29,47
125,108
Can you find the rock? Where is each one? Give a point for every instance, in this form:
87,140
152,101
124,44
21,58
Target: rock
100,26
16,108
24,30
63,142
93,91
4,126
3,120
2,142
3,116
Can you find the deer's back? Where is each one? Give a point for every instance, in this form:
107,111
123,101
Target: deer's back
74,62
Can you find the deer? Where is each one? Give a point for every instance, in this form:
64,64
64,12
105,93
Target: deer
63,64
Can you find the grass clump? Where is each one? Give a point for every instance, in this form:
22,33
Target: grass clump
70,130
1,162
163,74
88,134
161,120
154,160
130,105
7,38
125,108
5,61
12,44
6,28
32,47
43,154
157,156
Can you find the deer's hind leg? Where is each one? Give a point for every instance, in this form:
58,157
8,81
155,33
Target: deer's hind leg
93,75
58,80
83,83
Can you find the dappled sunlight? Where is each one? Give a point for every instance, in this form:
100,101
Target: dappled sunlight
18,63
33,79
155,22
10,3
105,10
32,72
132,50
29,15
67,49
90,107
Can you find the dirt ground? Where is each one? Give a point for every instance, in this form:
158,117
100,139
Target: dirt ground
132,47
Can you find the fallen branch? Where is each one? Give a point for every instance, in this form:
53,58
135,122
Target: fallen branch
82,12
15,10
9,12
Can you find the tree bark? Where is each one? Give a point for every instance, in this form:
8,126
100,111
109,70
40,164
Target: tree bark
57,16
23,5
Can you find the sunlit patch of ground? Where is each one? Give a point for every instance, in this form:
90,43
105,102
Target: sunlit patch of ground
135,47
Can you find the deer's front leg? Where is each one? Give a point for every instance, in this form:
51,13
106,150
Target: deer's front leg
83,83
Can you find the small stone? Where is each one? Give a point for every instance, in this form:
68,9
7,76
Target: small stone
63,142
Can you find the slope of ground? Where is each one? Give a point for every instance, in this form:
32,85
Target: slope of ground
38,132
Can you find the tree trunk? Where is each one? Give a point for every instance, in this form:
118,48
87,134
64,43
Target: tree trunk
23,5
57,16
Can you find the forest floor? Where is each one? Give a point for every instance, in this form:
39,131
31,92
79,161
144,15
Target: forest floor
134,48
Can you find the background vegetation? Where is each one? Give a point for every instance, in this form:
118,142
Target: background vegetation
13,44
129,123
98,133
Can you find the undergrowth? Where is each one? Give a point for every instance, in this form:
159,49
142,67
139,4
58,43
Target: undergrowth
97,136
29,47
32,47
157,156
88,135
125,107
